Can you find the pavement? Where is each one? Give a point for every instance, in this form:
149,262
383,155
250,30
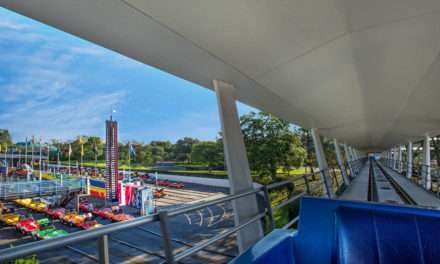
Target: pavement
144,244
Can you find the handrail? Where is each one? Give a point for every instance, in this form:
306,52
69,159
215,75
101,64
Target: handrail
29,248
214,239
102,232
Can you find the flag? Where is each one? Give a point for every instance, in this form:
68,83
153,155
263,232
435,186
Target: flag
70,150
132,150
82,150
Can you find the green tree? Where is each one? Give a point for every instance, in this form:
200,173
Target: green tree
5,139
209,152
270,144
183,148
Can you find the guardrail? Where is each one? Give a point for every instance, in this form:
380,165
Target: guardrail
13,190
307,184
418,173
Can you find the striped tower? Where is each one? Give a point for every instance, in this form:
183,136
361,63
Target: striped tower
111,159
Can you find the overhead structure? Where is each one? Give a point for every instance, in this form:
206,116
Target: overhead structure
363,72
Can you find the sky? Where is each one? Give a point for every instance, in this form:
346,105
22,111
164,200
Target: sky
56,86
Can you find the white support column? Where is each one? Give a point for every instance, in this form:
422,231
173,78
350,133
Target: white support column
394,158
399,159
347,157
237,164
390,158
427,163
322,163
409,158
341,162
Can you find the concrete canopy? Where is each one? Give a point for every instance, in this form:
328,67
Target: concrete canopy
364,72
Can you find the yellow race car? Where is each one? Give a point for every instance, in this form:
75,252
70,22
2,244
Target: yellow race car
24,202
10,219
67,218
37,206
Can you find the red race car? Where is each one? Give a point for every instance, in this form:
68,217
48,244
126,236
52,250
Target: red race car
56,212
30,225
86,207
23,222
88,224
163,183
103,212
176,185
121,217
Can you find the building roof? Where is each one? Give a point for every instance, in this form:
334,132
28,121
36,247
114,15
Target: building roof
364,72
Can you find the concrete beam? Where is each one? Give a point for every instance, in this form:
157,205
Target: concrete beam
409,159
322,163
399,159
341,162
237,165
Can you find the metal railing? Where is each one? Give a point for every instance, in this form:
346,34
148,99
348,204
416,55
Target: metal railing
14,190
307,184
418,173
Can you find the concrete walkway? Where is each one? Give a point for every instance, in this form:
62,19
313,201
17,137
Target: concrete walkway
358,189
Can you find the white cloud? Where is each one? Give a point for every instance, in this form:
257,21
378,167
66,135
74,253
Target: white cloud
11,24
63,121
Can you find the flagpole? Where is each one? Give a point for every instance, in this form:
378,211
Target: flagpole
39,162
48,159
82,154
6,161
70,152
32,150
96,156
129,161
19,157
58,159
26,152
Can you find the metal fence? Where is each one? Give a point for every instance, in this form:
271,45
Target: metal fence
307,184
418,173
14,190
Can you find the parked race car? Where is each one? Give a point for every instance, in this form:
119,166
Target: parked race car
31,225
37,206
89,224
121,217
23,202
23,222
40,233
176,185
10,219
56,212
54,234
103,212
78,219
67,217
86,207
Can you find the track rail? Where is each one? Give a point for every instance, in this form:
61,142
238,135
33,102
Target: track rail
372,188
404,196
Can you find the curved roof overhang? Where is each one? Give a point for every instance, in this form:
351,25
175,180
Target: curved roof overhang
364,72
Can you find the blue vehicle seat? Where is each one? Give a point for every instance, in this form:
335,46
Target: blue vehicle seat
336,231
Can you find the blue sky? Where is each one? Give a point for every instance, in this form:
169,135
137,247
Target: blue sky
56,86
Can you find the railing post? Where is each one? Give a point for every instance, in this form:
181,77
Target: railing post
168,247
306,182
103,250
269,207
335,176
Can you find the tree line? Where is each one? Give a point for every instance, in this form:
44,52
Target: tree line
271,143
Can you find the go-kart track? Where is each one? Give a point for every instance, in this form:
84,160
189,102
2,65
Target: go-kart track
144,243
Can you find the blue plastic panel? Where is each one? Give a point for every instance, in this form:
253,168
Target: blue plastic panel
337,231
